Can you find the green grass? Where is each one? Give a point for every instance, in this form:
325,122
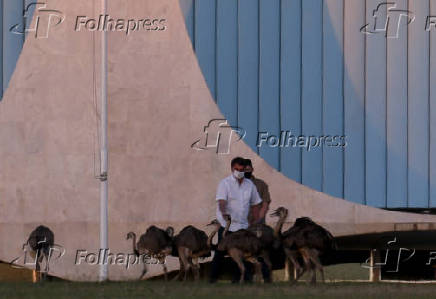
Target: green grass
15,287
335,273
157,289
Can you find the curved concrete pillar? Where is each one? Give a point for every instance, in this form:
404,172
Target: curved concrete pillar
158,107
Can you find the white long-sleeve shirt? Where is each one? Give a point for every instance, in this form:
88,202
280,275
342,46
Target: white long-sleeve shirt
239,197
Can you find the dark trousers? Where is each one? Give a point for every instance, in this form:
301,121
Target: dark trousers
218,262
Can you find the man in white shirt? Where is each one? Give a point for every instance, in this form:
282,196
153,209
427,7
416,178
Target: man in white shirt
235,197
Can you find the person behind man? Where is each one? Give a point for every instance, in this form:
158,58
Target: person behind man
235,197
258,212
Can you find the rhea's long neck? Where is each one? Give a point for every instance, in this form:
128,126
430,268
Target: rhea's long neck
279,225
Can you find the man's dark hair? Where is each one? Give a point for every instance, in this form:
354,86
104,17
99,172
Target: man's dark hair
238,160
247,162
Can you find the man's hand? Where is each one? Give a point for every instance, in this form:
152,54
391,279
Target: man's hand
259,221
254,214
226,217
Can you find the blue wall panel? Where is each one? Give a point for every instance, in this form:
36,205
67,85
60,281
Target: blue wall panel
12,43
290,86
1,49
432,109
205,37
303,67
311,77
269,78
248,70
396,126
354,102
333,98
418,115
227,59
375,113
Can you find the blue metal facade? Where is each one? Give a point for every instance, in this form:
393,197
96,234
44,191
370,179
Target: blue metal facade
13,20
305,66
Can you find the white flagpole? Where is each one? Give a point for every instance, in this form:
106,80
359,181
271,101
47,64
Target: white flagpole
104,155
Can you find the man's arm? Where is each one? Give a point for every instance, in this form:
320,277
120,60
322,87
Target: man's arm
221,197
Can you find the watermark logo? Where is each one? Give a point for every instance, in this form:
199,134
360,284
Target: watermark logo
218,135
401,256
44,20
387,19
30,258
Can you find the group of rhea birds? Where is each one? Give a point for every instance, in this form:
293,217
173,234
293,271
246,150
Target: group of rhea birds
303,245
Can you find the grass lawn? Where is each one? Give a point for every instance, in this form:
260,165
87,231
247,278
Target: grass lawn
158,289
15,284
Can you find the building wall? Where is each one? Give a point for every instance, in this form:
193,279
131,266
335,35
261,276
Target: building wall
306,67
159,105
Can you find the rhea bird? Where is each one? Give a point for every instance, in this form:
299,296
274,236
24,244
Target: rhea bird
39,244
308,240
313,242
291,254
155,243
270,239
242,245
190,245
268,242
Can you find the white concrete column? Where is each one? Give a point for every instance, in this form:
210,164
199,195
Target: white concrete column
374,270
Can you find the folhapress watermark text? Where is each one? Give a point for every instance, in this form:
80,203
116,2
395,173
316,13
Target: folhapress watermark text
105,257
286,139
107,23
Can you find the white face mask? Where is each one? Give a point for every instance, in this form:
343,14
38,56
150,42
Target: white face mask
238,174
